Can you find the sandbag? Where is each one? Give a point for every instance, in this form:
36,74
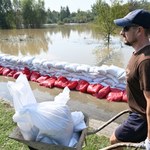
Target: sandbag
16,75
72,85
11,73
48,122
102,93
21,92
1,70
27,72
61,82
48,82
94,88
82,86
46,119
42,78
6,71
115,95
34,76
124,96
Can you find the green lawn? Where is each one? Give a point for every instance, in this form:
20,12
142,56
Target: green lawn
7,125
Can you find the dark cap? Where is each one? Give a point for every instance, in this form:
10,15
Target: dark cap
139,17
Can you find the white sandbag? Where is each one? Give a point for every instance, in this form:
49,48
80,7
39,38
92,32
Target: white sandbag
21,92
90,75
115,71
63,97
82,68
109,76
101,70
78,121
74,140
99,80
27,60
60,65
79,125
82,77
37,63
47,121
71,67
45,65
121,86
122,78
110,82
51,63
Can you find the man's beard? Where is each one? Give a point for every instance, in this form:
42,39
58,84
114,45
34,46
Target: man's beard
128,43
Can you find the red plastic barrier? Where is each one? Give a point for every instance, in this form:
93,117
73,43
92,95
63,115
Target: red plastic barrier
6,71
61,82
27,72
124,97
94,88
72,85
82,86
16,75
115,95
1,70
48,82
11,73
103,92
42,78
34,76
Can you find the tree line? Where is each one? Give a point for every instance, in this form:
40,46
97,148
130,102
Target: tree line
32,14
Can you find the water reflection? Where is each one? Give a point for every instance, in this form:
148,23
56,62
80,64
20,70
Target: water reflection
72,43
23,42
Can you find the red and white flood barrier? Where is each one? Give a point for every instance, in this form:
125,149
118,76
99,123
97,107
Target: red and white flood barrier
103,82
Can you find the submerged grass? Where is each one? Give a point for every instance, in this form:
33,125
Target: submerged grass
94,142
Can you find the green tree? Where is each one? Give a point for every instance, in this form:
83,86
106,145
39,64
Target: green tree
81,16
133,4
27,12
67,11
64,14
6,14
33,13
40,14
105,15
17,13
49,16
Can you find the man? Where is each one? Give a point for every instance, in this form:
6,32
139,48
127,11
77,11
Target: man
135,33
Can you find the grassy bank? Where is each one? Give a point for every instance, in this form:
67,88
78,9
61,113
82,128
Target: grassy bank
94,142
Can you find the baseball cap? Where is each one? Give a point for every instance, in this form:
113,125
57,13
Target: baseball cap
139,17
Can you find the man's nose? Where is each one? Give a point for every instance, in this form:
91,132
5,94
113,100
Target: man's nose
121,32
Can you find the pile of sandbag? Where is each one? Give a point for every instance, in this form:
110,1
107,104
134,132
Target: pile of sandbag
47,122
98,81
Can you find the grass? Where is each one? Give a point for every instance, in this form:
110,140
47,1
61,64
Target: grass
94,142
6,127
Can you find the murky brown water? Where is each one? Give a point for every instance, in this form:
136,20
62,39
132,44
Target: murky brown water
74,44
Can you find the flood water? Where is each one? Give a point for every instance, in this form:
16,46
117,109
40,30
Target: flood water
75,44
81,44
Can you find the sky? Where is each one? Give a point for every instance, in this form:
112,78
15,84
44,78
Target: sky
73,5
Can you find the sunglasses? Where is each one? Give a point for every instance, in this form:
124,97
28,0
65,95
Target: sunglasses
127,28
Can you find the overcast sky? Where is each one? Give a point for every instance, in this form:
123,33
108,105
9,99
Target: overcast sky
73,5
